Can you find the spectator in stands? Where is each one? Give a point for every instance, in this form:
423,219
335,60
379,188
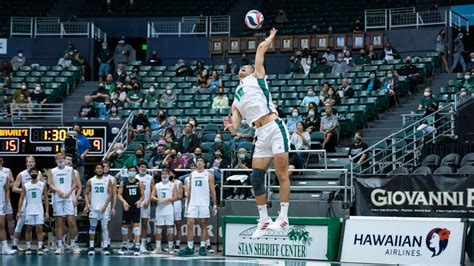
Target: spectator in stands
189,141
170,139
140,124
307,64
340,66
201,82
79,61
6,83
324,92
467,82
242,161
23,90
122,52
214,82
293,120
311,97
301,138
151,96
411,72
87,110
281,17
157,159
198,68
323,67
220,101
389,53
127,85
119,94
427,99
18,60
372,84
113,113
358,27
372,53
173,160
69,48
293,66
183,70
245,133
223,146
218,162
280,112
117,156
230,67
345,91
104,58
332,98
244,60
100,94
7,69
312,122
329,56
197,130
357,148
169,96
457,55
38,96
441,47
470,64
177,129
154,60
329,124
348,58
464,95
119,74
159,124
5,107
134,95
109,84
22,106
390,85
83,148
135,75
363,59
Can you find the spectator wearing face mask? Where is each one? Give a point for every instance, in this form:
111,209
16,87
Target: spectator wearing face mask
119,94
230,67
390,85
280,112
173,161
223,146
157,158
134,95
411,72
307,64
345,91
470,64
293,66
151,96
372,84
188,141
18,60
348,58
192,157
427,99
169,96
245,133
100,94
110,84
332,97
242,161
300,137
310,97
467,82
220,101
441,47
119,75
38,96
363,59
340,66
104,58
87,110
293,120
464,95
23,90
329,56
135,75
197,130
123,52
173,124
140,124
154,60
312,121
117,157
159,124
323,67
389,53
329,124
218,162
183,70
113,113
358,147
170,139
198,68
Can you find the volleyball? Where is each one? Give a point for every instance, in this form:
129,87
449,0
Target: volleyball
254,19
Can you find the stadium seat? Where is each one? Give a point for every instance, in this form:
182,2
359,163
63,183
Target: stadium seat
401,171
432,161
467,169
443,170
422,170
246,145
468,159
451,160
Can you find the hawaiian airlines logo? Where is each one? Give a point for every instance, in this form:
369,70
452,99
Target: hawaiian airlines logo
437,240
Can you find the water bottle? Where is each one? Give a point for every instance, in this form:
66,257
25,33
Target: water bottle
102,112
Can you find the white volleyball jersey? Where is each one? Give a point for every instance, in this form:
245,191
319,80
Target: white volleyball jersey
253,99
164,191
200,193
25,176
178,204
99,192
34,198
111,178
3,181
62,179
6,171
146,180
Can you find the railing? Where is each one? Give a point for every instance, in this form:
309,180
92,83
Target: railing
34,114
403,148
51,26
376,19
122,135
458,21
202,25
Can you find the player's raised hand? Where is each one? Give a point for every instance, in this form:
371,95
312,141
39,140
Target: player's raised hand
273,32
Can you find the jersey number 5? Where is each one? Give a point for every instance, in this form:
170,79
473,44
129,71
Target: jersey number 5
33,194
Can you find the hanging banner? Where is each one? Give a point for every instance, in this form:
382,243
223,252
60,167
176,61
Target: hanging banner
415,196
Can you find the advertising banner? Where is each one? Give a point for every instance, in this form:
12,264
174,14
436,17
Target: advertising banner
394,240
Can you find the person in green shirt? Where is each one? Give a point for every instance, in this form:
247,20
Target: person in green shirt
110,84
118,158
467,82
428,99
151,96
363,59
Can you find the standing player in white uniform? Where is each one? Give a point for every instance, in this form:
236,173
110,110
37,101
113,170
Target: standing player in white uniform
63,184
253,103
98,197
33,196
21,179
112,179
201,189
4,201
9,210
76,195
145,210
178,209
164,193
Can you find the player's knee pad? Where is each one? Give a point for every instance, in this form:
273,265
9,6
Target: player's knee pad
124,230
170,230
257,178
93,226
158,230
104,229
136,231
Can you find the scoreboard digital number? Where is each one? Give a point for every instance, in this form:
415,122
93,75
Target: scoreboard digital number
41,141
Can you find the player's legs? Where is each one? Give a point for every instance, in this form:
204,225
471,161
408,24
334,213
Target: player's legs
28,230
105,235
257,178
177,224
189,250
92,231
125,229
3,235
18,229
158,236
71,221
10,224
144,231
136,236
39,237
204,235
169,232
58,228
281,170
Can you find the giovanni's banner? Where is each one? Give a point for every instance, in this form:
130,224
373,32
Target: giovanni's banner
415,196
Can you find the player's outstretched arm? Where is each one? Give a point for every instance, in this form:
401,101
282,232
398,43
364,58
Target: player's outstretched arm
233,122
260,55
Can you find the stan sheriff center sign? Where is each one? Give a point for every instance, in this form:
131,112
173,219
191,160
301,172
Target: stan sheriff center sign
308,239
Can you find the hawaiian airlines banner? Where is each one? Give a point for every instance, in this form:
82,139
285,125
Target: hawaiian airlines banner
396,240
415,196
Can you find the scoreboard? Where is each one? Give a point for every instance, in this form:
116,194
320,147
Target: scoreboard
43,141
